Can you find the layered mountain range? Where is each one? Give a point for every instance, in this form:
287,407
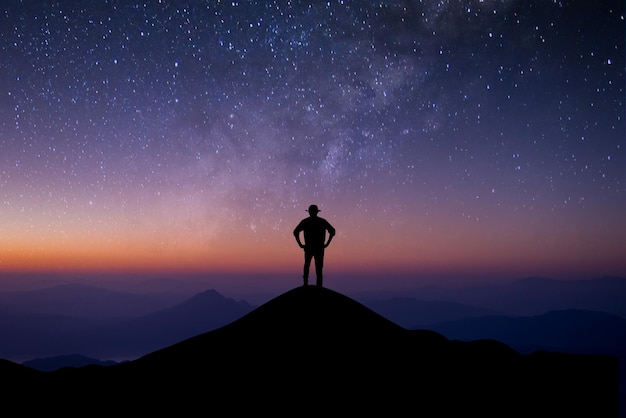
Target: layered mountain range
314,350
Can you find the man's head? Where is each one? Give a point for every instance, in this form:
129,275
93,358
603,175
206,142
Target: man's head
313,210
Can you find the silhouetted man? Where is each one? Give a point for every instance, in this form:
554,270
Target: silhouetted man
314,229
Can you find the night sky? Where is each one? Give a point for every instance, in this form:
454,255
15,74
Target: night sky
440,138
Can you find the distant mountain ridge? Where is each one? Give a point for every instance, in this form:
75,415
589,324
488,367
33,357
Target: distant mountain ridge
315,351
413,313
535,296
572,330
135,337
530,296
85,301
27,337
50,364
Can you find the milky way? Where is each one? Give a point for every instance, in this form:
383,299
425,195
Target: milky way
427,131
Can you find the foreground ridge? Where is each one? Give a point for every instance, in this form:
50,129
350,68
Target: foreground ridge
312,349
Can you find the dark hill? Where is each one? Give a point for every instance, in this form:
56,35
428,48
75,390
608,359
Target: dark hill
315,351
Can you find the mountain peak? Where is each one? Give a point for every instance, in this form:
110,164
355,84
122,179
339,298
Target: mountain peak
308,308
304,316
207,296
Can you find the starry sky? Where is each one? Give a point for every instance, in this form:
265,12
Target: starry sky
470,138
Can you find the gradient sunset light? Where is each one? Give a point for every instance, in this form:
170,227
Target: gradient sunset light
465,139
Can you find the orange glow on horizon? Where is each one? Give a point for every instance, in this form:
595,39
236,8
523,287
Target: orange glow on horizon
438,246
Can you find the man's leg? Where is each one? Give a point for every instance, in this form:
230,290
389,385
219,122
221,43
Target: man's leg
319,266
307,265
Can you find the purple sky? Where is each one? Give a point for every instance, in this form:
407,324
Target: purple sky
470,139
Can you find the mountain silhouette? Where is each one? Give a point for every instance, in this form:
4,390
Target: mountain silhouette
536,296
573,330
32,336
70,360
312,351
85,301
134,337
413,313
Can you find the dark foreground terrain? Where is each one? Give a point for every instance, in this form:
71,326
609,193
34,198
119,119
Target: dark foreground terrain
313,350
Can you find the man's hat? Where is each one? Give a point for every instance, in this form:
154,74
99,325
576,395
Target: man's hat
313,209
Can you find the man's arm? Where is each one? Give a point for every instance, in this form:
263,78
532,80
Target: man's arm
296,233
331,233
